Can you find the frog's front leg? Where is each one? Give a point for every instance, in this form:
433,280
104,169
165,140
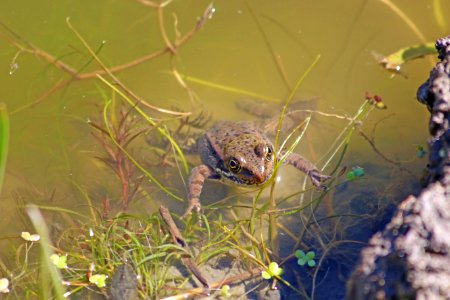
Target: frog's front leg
196,180
307,167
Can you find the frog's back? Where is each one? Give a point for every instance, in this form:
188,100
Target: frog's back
224,131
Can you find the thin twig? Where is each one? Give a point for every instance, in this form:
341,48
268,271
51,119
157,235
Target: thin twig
179,240
59,64
275,57
162,29
377,151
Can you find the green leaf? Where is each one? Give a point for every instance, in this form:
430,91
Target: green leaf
396,59
266,275
358,171
300,254
225,291
421,152
98,279
275,269
59,261
301,261
350,175
312,263
310,255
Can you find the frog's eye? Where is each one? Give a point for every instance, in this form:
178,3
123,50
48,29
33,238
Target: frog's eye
234,165
269,153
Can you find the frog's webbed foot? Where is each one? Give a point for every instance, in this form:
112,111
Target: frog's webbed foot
196,180
198,121
317,178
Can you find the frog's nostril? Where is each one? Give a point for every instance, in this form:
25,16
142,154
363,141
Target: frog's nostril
259,150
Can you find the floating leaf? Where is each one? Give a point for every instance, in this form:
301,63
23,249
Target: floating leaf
30,237
394,61
4,284
98,279
59,261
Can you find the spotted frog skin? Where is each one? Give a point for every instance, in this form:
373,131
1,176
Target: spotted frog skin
240,153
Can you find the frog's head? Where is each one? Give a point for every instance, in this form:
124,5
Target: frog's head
248,160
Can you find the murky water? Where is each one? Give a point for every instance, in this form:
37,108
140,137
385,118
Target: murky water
51,145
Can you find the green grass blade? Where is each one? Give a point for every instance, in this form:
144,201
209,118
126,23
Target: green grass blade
4,141
228,88
291,96
47,266
438,14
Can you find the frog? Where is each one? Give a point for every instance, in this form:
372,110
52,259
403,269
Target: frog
240,152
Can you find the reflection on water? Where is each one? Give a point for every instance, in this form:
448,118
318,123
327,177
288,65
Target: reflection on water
228,58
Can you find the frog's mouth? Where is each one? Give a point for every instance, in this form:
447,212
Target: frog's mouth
244,177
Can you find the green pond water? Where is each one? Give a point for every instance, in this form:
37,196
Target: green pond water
53,155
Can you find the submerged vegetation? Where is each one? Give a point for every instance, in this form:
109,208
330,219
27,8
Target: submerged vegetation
118,253
86,257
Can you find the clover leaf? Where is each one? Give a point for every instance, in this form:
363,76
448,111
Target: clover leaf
356,172
30,237
98,279
421,152
273,270
59,261
305,258
225,291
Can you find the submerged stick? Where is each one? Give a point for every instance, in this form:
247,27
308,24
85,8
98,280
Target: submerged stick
179,240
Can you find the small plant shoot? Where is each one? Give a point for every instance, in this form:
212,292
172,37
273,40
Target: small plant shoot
355,173
98,279
307,258
4,284
225,291
273,271
30,237
420,151
60,261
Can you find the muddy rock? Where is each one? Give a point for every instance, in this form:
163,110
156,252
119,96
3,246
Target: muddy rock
410,258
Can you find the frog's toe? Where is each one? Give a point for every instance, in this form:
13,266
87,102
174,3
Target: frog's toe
317,178
194,205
